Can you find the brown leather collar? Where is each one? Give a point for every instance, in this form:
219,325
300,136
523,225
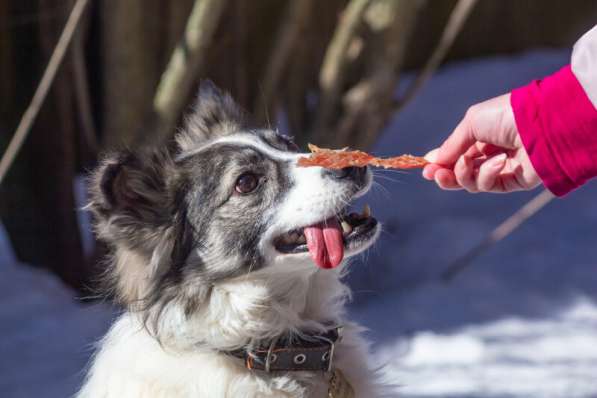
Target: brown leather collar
310,352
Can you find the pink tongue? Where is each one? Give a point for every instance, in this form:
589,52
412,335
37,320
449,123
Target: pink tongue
324,241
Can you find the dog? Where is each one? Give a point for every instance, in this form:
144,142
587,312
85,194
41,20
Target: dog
226,258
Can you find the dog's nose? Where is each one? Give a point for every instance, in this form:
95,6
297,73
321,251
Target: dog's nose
353,173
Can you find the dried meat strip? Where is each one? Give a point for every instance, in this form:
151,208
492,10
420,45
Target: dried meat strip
339,159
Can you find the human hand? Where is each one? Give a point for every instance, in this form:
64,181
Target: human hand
484,153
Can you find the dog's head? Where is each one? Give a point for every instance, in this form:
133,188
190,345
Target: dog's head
229,201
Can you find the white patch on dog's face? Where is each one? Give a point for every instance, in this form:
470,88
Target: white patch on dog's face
313,196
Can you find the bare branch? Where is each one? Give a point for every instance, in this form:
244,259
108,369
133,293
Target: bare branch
81,87
182,70
367,105
241,47
297,15
42,89
336,60
458,17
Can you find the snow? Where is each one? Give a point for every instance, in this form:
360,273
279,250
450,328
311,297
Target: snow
521,322
47,335
551,357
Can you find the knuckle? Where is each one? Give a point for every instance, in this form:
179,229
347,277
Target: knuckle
472,117
472,112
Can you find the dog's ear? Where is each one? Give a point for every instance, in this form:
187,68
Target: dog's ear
214,114
132,196
137,201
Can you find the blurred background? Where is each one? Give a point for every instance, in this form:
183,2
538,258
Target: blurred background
389,76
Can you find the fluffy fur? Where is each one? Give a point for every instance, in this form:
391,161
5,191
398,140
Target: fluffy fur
195,266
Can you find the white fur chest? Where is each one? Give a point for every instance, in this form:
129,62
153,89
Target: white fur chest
132,364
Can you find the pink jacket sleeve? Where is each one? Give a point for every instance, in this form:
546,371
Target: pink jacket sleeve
557,120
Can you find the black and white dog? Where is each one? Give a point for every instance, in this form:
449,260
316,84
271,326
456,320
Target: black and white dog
214,246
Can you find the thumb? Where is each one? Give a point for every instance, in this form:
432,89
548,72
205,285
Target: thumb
431,156
456,145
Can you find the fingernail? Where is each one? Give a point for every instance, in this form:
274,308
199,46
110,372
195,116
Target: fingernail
427,174
431,156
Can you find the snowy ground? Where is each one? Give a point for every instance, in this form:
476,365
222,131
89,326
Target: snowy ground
46,336
521,322
550,357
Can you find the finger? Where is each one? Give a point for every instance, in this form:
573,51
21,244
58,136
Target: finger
473,151
429,171
479,149
517,170
464,172
510,179
489,172
508,183
456,145
445,179
431,156
488,149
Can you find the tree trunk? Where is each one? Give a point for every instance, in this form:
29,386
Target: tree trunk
132,34
376,33
180,74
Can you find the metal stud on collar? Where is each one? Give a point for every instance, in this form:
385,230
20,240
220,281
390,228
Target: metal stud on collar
299,359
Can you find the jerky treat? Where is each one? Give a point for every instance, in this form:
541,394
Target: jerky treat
339,159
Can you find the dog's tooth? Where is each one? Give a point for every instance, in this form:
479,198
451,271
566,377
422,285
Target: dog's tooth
346,227
302,239
366,211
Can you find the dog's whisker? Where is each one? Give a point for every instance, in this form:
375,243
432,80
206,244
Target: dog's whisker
390,171
377,187
386,178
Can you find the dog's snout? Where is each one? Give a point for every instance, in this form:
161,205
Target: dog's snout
352,173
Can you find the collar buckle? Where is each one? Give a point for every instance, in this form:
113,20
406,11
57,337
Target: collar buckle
332,349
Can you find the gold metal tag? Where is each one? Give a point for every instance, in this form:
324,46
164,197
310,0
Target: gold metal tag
339,386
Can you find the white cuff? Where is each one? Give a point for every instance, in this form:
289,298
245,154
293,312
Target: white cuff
584,63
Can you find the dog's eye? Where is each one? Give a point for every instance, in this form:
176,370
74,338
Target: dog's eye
246,183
